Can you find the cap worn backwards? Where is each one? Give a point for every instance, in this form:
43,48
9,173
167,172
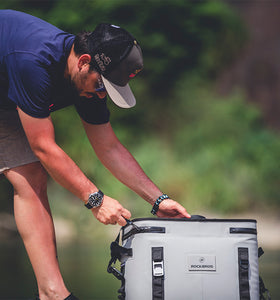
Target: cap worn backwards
117,56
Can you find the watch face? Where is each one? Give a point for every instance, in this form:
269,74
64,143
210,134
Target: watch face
95,199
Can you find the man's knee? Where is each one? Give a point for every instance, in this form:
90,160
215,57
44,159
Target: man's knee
28,179
38,180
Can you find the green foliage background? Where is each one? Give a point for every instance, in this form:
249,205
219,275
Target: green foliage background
207,151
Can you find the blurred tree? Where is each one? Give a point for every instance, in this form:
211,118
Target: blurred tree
176,35
220,144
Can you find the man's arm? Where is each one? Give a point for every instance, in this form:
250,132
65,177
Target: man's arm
41,137
119,161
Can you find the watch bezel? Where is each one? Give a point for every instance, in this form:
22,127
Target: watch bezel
95,199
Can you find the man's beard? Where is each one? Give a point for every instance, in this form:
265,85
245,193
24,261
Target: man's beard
73,86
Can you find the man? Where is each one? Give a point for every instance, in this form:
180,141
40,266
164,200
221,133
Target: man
43,69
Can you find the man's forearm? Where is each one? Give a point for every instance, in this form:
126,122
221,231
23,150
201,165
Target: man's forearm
63,170
60,166
119,161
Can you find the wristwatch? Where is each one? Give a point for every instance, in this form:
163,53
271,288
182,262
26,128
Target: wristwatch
94,200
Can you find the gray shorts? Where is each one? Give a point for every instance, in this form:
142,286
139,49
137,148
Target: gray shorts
14,147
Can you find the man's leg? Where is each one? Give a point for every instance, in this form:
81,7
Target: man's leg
35,225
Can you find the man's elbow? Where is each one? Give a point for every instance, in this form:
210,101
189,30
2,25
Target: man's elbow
42,149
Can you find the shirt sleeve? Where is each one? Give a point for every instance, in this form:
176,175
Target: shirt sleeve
29,84
93,111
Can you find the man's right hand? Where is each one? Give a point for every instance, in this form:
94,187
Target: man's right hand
111,212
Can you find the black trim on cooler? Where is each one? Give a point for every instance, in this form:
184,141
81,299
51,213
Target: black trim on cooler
242,230
243,265
193,220
143,229
158,273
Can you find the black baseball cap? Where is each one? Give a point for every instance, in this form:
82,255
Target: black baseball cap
117,56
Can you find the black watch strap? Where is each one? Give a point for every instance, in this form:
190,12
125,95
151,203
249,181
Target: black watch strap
88,205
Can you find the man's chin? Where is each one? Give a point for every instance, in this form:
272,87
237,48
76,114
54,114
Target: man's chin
101,95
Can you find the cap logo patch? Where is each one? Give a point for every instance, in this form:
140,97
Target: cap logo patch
134,73
102,61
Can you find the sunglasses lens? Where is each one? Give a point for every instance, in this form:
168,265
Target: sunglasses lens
101,89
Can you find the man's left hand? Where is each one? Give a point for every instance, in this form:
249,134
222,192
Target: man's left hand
172,209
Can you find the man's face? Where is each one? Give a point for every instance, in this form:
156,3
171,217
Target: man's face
87,83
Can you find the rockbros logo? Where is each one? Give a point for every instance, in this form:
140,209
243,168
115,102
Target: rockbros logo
102,60
201,263
202,267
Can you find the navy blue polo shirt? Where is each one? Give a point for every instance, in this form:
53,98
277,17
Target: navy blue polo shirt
33,55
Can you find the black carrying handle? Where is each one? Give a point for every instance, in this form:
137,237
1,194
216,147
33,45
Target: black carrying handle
117,251
197,217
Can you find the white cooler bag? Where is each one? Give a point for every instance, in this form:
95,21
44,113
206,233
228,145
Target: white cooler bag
187,259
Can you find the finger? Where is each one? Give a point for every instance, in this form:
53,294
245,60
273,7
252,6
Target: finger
126,213
183,212
179,216
122,221
186,214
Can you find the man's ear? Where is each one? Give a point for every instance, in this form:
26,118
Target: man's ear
84,60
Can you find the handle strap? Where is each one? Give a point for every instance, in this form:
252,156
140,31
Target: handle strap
117,252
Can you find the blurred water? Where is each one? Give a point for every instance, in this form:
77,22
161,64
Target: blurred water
84,269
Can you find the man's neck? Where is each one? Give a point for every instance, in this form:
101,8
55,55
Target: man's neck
70,63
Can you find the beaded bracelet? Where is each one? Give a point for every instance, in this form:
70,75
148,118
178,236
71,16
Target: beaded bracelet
157,203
